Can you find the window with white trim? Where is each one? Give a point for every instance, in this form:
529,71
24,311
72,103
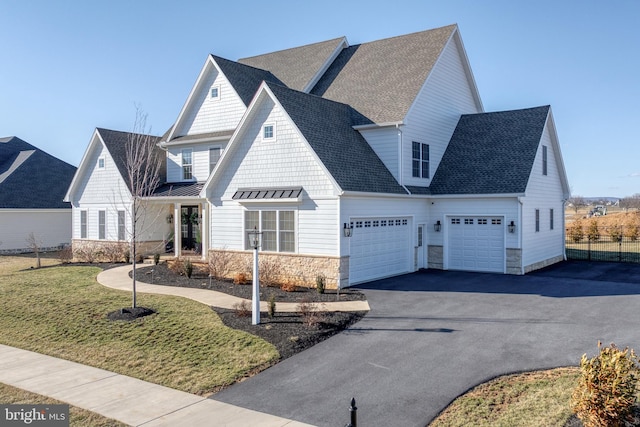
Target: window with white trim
537,220
187,164
214,92
83,224
121,231
544,160
100,162
420,160
277,227
214,156
269,132
102,225
550,219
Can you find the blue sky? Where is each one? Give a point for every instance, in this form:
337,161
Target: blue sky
70,66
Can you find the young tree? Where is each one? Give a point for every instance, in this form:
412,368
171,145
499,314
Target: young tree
34,243
577,202
143,161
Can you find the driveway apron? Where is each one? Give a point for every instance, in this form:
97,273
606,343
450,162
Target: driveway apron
432,335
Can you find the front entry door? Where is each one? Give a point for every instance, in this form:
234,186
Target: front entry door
189,218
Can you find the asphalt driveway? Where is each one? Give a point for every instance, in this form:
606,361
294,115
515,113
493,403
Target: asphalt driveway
432,335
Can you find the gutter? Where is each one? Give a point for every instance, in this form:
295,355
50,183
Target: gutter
520,203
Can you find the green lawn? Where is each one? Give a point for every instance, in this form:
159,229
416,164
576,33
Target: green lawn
61,311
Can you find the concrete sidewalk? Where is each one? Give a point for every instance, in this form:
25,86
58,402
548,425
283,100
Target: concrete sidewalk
118,278
129,400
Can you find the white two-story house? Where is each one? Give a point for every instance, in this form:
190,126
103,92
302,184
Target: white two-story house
354,162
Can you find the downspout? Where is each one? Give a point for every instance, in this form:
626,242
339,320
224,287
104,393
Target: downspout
564,230
520,203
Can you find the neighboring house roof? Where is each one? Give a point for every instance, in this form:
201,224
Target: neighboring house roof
31,178
298,66
116,142
381,79
245,79
328,127
491,153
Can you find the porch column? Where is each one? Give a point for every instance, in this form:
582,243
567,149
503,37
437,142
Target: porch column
204,231
177,229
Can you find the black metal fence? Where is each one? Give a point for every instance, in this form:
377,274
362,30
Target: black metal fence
613,243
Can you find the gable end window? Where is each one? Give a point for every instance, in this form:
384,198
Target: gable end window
537,220
550,219
187,165
544,160
269,132
420,160
101,163
214,92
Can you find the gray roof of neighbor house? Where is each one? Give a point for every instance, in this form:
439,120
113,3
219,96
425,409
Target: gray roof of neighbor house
327,126
491,153
381,79
31,178
116,142
295,67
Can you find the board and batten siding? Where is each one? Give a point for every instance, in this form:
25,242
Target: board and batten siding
199,159
205,114
285,161
544,192
433,117
52,227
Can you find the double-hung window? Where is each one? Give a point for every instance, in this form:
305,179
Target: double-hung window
121,233
187,164
214,156
277,227
268,132
420,160
83,224
102,225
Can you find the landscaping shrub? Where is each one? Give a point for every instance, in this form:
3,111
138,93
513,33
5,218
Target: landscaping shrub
605,394
311,315
288,286
114,252
270,272
631,231
188,268
87,253
575,232
272,305
156,258
242,309
127,256
65,255
240,279
221,263
320,283
593,234
177,266
615,233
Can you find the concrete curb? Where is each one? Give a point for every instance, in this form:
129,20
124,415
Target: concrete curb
118,278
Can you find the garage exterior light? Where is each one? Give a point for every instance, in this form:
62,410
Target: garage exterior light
348,228
437,226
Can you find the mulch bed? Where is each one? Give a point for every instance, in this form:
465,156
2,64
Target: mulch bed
290,333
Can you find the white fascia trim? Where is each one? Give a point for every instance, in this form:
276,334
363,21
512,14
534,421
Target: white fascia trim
165,144
566,190
378,125
34,210
95,138
467,68
477,196
341,46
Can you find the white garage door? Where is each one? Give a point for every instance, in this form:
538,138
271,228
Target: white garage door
380,247
476,243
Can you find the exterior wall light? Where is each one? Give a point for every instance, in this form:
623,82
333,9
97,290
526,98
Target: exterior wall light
512,227
170,219
348,229
437,226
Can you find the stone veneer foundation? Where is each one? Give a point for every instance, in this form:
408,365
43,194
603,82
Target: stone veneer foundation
543,264
514,261
145,248
435,257
301,269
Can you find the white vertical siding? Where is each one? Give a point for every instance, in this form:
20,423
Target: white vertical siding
385,144
544,192
435,113
205,114
51,227
284,162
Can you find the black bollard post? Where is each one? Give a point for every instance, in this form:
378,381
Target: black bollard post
353,411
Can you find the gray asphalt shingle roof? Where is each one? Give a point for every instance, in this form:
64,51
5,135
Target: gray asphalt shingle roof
40,181
116,142
245,79
295,67
491,153
327,126
381,79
